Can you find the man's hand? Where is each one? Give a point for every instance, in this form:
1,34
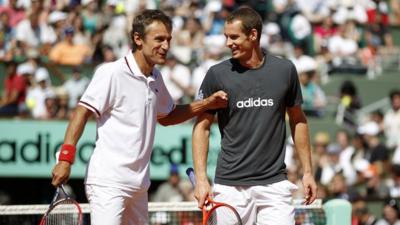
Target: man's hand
310,188
217,100
61,173
201,192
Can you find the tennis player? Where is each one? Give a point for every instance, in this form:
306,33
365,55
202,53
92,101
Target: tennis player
251,173
127,97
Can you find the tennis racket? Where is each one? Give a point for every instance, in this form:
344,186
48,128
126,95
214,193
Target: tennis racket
63,210
216,212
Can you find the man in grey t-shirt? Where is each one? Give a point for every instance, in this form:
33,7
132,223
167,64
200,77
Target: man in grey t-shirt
251,173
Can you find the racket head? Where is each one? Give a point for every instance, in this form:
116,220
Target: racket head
218,210
212,209
63,212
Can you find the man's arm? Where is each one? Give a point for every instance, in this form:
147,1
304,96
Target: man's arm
182,113
200,140
9,99
62,169
300,133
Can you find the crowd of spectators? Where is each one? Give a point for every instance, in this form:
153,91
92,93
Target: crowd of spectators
321,37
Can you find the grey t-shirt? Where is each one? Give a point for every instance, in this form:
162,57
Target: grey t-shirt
253,126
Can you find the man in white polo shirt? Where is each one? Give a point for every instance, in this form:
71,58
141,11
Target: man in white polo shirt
127,97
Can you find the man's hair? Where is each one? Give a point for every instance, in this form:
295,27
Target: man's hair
144,19
250,20
393,93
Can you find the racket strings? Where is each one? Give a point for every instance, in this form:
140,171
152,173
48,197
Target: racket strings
64,213
223,215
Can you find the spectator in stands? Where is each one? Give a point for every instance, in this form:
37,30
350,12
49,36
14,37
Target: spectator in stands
115,36
190,38
26,70
320,143
376,153
14,92
339,189
359,161
80,36
343,139
376,186
314,100
377,116
395,8
314,11
176,78
33,34
108,54
299,30
343,48
69,53
216,14
92,18
349,103
392,121
57,21
7,34
62,100
271,39
361,214
329,164
170,191
213,54
36,98
378,22
75,86
390,213
52,107
394,184
16,13
323,32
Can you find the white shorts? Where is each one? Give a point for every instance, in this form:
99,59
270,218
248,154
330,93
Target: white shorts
261,205
113,206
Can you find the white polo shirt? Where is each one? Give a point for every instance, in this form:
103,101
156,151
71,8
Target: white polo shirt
126,104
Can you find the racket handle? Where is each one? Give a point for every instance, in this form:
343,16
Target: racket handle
190,173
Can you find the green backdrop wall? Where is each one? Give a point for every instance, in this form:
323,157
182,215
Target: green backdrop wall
27,148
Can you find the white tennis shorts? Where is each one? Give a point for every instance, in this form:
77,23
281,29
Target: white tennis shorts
113,206
261,205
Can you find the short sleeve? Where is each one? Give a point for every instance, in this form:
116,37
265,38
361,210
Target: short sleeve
293,96
98,96
165,103
208,86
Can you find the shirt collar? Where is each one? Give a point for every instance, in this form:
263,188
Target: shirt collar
134,69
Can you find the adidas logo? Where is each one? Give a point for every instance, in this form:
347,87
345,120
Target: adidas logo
258,102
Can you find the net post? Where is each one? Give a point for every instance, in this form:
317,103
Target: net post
338,212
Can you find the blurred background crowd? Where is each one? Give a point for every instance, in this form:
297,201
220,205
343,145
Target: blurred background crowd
50,48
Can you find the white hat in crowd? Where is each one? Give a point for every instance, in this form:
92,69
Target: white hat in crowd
25,68
56,16
41,74
271,28
300,27
214,44
213,6
369,128
305,64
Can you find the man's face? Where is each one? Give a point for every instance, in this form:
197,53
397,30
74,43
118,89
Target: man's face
156,43
396,102
239,43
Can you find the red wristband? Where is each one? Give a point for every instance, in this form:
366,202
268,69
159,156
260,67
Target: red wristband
67,153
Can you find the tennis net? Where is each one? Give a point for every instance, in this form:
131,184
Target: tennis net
160,213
